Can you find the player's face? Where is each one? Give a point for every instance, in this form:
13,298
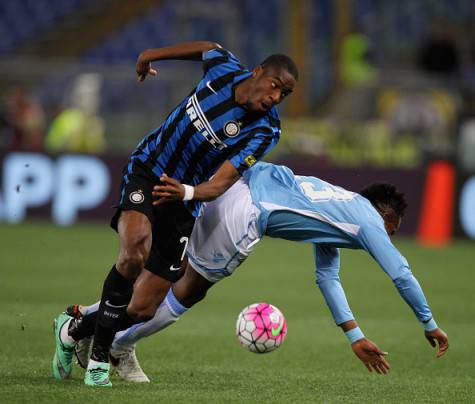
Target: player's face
392,222
270,86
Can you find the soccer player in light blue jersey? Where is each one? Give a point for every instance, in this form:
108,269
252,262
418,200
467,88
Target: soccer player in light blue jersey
271,200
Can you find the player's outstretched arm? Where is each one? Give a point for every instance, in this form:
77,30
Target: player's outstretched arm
366,351
182,51
397,267
173,190
327,260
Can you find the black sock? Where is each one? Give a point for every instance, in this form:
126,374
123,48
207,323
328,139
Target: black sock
127,322
84,327
116,295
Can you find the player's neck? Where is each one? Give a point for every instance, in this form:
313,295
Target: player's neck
241,93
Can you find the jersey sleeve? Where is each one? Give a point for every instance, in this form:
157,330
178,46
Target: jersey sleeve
376,241
327,261
259,142
220,60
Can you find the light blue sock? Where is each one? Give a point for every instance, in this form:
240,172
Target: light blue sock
167,313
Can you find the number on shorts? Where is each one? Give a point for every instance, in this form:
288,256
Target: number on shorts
182,240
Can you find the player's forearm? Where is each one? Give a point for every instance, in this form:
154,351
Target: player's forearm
182,51
224,178
209,191
411,291
348,325
352,331
329,283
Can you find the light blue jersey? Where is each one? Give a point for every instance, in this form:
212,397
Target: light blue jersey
308,209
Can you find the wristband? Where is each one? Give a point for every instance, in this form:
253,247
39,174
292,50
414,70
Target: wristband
189,192
355,334
430,325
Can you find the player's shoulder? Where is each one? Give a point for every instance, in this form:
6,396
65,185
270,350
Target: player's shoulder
371,220
223,58
218,52
264,169
268,122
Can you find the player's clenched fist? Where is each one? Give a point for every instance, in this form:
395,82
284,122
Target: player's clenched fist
143,67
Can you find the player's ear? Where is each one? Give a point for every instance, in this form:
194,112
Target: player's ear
257,71
388,216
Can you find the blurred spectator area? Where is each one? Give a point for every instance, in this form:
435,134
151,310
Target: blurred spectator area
396,115
21,21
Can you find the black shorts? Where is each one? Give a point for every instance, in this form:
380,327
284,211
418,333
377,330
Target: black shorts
171,223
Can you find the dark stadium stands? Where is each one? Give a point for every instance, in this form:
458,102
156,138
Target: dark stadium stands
22,20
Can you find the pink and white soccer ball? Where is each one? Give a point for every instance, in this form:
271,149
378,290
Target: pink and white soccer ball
261,328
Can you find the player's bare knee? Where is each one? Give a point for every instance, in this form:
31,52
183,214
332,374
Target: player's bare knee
130,263
135,244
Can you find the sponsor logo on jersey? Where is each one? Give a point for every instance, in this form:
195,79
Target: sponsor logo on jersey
136,197
200,122
231,128
250,160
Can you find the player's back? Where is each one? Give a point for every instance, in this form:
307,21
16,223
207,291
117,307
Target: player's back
340,213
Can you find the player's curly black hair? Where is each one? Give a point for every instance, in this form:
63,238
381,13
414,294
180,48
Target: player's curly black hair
282,61
381,194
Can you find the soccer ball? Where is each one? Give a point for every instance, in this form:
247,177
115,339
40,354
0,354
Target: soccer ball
261,328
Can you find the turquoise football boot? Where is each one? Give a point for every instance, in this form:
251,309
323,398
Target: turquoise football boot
63,356
97,375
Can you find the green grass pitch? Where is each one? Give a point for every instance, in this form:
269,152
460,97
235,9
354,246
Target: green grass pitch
198,360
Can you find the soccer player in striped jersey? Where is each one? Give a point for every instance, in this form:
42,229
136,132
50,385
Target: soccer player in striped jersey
270,200
226,124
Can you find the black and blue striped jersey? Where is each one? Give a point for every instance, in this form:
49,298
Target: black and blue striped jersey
209,127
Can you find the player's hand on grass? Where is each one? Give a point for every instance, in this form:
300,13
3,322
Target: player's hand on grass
440,337
169,190
144,68
372,357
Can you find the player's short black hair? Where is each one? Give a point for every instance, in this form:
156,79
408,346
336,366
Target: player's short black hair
282,61
381,194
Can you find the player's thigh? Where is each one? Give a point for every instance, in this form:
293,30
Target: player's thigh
133,219
135,231
225,234
170,232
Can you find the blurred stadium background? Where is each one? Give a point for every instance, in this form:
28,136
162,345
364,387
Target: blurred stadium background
386,90
387,93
